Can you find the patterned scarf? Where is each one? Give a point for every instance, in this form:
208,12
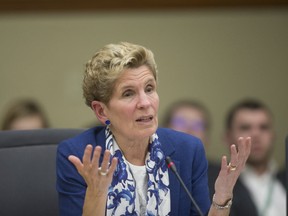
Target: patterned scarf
122,194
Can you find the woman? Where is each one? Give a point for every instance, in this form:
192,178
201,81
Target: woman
126,173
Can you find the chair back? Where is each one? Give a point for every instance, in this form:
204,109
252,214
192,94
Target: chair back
28,171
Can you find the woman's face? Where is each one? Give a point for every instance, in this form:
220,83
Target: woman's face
133,107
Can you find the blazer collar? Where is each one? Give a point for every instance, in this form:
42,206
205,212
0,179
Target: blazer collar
174,184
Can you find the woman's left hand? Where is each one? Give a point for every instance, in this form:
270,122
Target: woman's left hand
230,172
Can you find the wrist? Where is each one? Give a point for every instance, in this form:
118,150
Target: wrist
220,204
222,197
95,193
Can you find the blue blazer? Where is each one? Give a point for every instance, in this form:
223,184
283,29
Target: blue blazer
186,151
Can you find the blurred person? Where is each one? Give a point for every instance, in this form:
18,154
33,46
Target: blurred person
258,191
189,116
192,117
119,168
24,114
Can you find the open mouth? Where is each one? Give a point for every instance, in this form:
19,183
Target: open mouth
144,119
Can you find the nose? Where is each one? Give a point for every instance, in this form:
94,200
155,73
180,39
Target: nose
255,133
143,101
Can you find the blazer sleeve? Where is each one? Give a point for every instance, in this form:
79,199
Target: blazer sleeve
193,169
70,185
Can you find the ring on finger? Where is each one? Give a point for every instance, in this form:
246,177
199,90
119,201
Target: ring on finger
232,167
101,172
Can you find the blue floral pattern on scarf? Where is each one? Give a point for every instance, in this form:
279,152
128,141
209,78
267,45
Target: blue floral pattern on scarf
122,194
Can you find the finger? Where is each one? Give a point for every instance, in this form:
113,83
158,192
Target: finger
244,146
247,148
113,166
87,155
95,159
248,144
234,156
76,162
224,166
106,160
244,143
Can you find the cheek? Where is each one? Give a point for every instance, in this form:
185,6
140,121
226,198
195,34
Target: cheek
267,138
156,102
245,132
156,107
127,113
121,114
238,133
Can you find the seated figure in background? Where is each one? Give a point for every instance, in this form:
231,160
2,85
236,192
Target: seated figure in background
24,114
259,191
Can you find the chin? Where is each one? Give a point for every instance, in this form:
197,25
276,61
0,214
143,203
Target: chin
147,132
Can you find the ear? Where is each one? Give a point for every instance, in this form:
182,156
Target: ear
99,110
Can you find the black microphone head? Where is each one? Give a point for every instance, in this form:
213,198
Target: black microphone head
170,164
168,160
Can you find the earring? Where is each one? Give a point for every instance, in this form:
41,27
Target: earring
107,122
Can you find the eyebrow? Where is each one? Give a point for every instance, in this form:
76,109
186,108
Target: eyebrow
124,86
150,80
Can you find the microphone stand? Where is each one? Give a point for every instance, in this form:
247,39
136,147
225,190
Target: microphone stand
172,166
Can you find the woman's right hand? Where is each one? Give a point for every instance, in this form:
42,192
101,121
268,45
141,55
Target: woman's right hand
98,178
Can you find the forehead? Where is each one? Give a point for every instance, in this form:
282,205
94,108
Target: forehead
27,121
132,76
252,116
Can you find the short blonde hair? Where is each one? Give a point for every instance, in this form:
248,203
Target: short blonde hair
105,67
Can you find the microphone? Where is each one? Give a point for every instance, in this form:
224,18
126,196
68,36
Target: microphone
172,166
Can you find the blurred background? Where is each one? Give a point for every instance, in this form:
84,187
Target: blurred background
217,55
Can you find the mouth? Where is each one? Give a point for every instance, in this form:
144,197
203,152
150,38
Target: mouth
256,148
145,118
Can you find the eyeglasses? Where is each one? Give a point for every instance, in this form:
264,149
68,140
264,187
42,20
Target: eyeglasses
185,124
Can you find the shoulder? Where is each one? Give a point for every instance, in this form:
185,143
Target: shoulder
77,144
179,143
173,137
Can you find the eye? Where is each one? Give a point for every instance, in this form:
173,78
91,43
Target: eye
128,93
264,127
245,127
150,88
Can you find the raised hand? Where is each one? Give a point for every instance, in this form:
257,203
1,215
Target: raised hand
98,178
230,172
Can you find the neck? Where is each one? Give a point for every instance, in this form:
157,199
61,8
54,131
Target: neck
134,152
260,168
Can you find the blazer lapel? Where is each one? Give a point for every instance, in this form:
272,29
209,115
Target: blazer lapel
174,184
175,187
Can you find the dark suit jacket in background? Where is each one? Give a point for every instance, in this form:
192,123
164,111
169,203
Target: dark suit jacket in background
213,172
243,204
